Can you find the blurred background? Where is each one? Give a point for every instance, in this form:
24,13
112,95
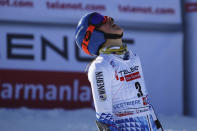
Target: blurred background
43,84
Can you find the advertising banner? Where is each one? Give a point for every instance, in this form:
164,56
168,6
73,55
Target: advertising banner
69,12
40,48
44,89
41,67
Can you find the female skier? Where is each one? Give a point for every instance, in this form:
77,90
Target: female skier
118,88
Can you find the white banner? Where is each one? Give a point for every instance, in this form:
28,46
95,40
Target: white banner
53,49
35,48
69,12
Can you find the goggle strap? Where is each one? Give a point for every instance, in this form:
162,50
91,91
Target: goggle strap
86,39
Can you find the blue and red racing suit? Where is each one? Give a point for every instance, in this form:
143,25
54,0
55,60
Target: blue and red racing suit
120,96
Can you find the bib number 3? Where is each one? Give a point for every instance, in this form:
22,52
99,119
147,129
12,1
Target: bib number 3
138,87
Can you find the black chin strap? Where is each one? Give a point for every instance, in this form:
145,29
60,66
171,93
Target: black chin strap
112,36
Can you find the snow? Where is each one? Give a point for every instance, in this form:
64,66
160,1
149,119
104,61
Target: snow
24,119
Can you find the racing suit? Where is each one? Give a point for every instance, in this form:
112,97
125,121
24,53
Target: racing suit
120,96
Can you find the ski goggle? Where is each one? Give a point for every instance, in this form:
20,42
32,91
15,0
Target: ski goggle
95,20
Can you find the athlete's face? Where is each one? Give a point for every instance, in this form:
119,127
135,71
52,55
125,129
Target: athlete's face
110,27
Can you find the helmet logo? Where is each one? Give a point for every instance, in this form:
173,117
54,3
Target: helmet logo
87,39
87,35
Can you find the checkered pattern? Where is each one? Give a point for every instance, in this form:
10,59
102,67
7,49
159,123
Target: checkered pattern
127,124
133,124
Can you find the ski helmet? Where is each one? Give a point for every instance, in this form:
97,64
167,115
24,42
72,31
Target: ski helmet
88,37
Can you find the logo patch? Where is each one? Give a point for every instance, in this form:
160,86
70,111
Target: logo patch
128,75
100,85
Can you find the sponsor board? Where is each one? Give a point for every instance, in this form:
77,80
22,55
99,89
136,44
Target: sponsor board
44,89
34,48
61,11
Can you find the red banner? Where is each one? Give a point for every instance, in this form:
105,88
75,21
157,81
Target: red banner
44,89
